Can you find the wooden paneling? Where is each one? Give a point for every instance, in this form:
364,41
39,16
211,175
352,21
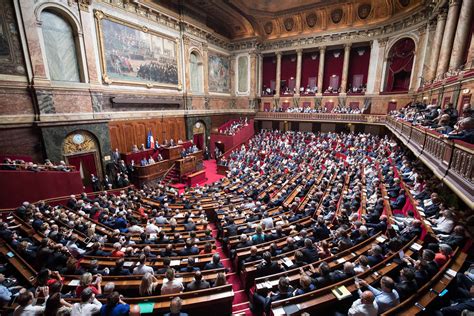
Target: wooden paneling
125,134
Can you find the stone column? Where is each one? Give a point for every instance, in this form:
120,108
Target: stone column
462,33
205,66
232,75
253,74
278,74
436,46
187,70
448,37
345,67
322,52
419,58
379,70
260,75
299,57
35,47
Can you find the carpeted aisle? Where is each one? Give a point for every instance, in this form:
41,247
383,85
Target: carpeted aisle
240,305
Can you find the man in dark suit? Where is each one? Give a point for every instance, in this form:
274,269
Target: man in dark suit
175,308
400,201
310,253
375,255
381,226
268,266
263,303
407,285
198,283
190,267
321,231
215,263
189,249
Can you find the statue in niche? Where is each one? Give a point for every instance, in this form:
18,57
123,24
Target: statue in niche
336,15
268,27
311,19
289,23
364,11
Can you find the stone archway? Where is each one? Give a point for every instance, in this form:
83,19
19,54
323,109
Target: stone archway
81,149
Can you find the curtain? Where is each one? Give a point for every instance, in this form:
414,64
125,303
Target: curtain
85,164
309,69
392,106
334,82
357,81
329,106
198,140
266,106
269,72
400,63
358,65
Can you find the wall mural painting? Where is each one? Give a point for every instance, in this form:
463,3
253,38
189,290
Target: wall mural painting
11,55
218,73
136,55
243,71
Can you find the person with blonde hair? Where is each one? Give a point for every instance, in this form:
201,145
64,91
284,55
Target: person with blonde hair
220,279
89,281
148,284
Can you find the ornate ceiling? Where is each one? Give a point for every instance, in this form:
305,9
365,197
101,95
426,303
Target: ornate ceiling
271,19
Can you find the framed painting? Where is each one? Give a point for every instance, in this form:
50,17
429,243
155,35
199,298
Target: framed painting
218,73
135,55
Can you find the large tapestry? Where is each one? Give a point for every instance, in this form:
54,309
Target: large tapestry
218,73
136,55
11,55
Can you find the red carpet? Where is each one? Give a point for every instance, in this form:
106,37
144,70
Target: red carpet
211,175
241,301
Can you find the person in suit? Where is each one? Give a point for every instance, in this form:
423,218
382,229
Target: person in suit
262,303
198,283
310,253
175,308
407,284
381,226
215,263
375,255
268,266
253,255
399,202
189,249
190,267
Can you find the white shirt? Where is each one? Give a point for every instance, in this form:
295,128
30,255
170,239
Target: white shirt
142,269
86,309
29,310
359,309
152,229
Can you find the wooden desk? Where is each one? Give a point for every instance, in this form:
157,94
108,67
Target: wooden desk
172,153
144,174
137,157
196,177
186,165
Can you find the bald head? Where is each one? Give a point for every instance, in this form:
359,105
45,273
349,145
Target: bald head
367,297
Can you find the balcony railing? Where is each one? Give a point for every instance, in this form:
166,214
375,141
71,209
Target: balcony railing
452,161
324,117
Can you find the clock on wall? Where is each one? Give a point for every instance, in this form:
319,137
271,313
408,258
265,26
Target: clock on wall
78,139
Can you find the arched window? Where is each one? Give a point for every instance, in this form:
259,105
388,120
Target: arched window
399,65
60,47
196,73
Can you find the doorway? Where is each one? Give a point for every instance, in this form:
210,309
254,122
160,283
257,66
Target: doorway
80,149
199,135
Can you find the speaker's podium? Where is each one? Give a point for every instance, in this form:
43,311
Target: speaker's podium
186,165
171,153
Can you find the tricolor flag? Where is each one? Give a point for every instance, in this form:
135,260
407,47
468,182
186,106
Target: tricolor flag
150,142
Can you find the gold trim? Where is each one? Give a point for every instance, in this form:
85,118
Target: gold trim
99,15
